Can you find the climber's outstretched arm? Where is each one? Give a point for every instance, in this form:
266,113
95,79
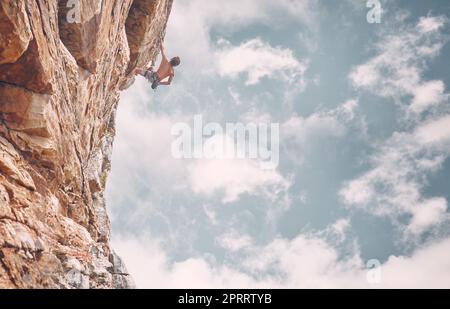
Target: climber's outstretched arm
163,51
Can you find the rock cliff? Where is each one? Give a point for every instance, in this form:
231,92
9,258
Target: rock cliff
62,65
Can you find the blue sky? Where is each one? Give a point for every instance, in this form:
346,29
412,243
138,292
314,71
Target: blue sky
364,172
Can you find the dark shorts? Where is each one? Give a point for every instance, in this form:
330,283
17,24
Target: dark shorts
152,77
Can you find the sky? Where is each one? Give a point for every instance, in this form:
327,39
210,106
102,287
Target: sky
360,196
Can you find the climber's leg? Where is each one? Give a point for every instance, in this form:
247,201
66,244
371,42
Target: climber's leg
150,75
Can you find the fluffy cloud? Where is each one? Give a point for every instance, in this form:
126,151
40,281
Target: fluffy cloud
233,177
403,163
396,71
142,149
303,262
339,228
394,186
426,95
426,268
331,122
317,124
435,132
143,152
203,16
299,133
430,24
258,59
432,211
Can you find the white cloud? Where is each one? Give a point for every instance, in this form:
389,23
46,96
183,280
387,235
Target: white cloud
229,179
318,124
431,23
142,148
426,95
142,158
402,54
235,96
233,177
427,268
359,191
340,228
364,75
299,133
403,163
322,123
238,13
401,166
202,16
151,268
434,132
303,262
347,110
431,212
258,60
234,242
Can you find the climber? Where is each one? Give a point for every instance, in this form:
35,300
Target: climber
165,70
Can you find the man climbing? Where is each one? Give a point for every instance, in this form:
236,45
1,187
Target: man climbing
165,70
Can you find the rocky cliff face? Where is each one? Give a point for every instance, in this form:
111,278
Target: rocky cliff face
62,63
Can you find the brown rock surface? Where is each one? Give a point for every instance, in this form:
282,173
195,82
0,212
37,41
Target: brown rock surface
59,90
